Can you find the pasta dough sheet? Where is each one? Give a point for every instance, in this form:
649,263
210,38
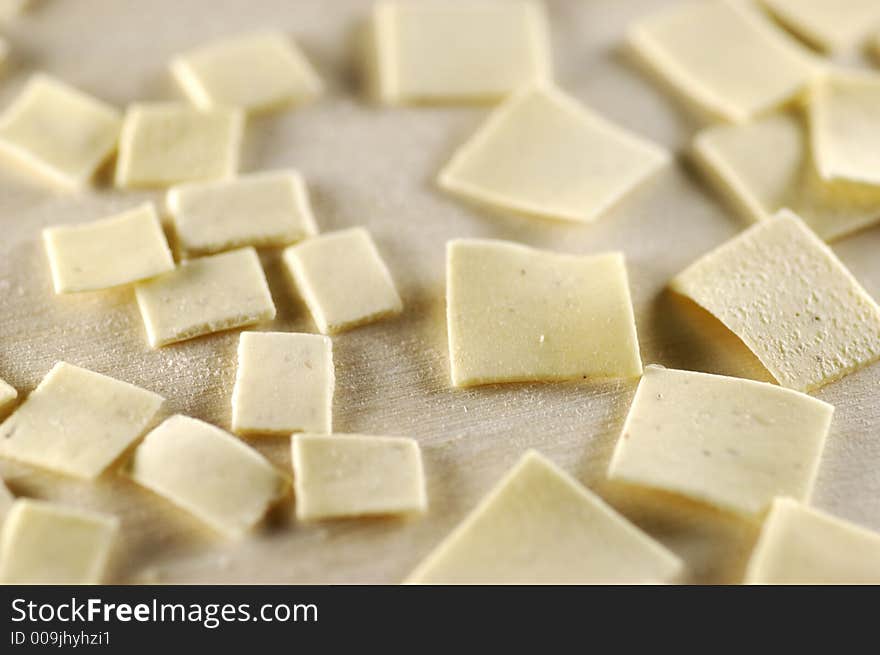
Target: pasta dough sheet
261,209
44,543
121,249
802,545
77,422
59,131
791,301
442,52
171,143
845,127
209,473
343,280
284,383
257,72
542,153
766,165
725,441
830,25
539,526
724,57
205,295
350,475
516,314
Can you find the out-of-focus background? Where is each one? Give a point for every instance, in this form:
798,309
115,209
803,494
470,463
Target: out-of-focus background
375,167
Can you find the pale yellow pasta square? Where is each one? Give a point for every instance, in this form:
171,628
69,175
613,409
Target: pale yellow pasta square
284,383
447,52
802,545
256,71
205,295
845,127
169,143
788,297
765,165
77,422
542,153
343,279
209,473
59,131
261,209
723,56
540,526
8,394
350,475
109,252
830,25
728,442
44,543
515,314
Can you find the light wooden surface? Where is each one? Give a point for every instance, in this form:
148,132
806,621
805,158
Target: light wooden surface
374,167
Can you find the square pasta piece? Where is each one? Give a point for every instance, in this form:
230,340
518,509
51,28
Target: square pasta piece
8,394
262,209
254,71
123,248
77,422
544,154
205,295
723,56
830,25
845,127
788,297
45,543
350,475
209,473
765,165
540,526
801,545
517,314
170,143
343,280
284,383
59,131
442,52
728,442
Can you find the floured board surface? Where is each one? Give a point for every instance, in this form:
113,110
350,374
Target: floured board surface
376,168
